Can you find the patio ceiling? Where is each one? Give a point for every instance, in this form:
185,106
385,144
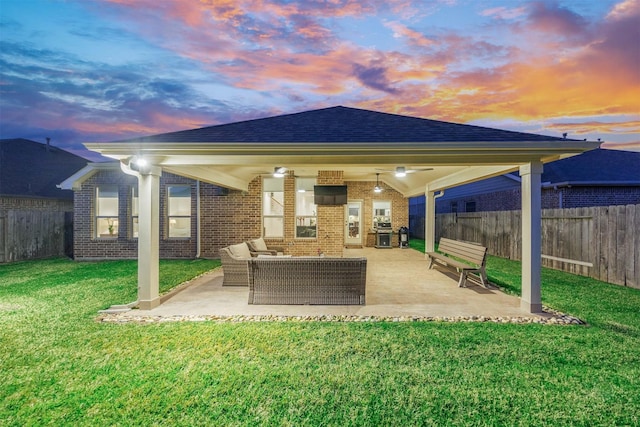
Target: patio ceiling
453,163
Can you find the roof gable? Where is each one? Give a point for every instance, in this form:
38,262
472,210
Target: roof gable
342,124
29,168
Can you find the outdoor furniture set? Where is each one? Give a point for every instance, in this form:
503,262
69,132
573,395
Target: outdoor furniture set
282,279
464,257
274,278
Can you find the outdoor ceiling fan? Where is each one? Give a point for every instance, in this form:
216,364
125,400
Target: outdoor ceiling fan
277,172
402,171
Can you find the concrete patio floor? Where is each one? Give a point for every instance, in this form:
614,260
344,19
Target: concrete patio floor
398,285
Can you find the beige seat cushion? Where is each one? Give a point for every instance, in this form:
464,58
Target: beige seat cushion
259,244
241,250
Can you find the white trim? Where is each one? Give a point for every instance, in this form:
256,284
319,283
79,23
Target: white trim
74,182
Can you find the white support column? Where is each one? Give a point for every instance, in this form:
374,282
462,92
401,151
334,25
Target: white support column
531,236
429,220
149,237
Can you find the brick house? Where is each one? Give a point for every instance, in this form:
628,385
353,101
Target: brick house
187,194
226,216
35,215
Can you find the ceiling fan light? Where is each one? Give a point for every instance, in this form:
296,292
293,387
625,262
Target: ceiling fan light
377,188
278,172
401,172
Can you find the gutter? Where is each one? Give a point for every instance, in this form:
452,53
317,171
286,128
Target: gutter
591,184
198,234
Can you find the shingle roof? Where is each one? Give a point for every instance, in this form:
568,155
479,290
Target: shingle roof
600,165
27,168
342,124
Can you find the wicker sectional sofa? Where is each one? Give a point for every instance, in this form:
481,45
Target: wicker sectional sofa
307,280
235,266
235,259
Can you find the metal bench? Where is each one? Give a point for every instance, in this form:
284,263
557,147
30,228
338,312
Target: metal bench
463,257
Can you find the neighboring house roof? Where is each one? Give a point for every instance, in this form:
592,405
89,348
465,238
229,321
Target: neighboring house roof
599,167
595,167
342,124
29,168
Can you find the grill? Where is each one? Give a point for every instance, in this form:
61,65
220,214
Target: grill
384,233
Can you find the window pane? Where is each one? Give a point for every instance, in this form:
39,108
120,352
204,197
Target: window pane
179,200
273,203
273,227
304,204
134,201
272,184
470,207
107,201
107,227
381,211
305,184
180,227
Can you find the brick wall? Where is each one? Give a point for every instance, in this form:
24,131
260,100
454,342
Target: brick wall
580,197
87,246
227,217
363,190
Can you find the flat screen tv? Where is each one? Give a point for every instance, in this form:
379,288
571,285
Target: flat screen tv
330,194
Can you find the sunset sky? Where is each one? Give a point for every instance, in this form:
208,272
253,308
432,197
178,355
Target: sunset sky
100,70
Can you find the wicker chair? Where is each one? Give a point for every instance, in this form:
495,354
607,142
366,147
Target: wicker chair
235,265
311,280
258,246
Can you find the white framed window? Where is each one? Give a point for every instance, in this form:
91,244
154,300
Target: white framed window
134,212
306,209
106,219
179,210
381,212
273,207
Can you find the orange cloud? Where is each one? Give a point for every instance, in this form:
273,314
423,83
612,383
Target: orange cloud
558,65
415,38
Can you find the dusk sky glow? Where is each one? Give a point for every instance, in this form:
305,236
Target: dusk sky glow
102,70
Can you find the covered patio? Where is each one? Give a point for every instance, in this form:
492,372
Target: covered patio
399,287
355,144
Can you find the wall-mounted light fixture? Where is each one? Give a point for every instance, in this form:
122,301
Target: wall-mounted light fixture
401,172
138,164
278,172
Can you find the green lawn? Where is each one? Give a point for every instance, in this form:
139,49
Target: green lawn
61,367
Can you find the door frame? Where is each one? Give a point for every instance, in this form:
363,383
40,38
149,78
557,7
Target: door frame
349,241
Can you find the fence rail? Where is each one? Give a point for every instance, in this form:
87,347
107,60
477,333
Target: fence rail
599,242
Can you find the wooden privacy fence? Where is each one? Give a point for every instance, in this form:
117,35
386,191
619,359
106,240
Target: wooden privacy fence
34,234
599,242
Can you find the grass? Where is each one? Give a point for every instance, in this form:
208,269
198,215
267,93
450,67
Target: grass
60,367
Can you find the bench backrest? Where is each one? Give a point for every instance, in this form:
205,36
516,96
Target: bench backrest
470,252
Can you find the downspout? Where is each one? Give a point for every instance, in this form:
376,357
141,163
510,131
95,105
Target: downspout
198,247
